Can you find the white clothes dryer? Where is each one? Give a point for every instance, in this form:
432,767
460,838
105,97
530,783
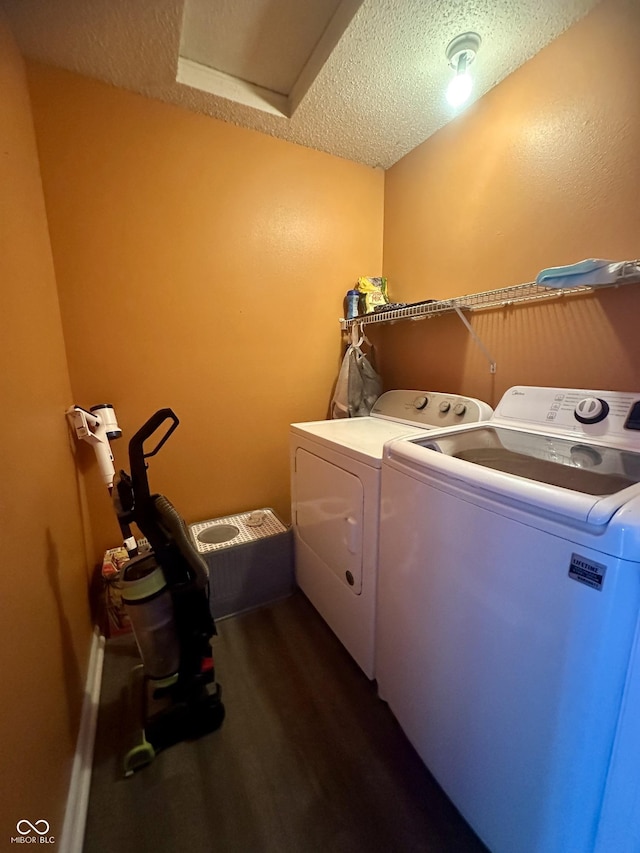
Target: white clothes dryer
508,620
335,493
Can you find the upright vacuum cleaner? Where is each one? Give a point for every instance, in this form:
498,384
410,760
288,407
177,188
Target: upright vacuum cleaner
173,694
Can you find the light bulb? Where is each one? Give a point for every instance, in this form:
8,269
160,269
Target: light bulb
461,52
459,89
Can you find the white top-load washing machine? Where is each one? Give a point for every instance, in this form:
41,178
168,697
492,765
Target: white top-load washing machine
335,490
508,630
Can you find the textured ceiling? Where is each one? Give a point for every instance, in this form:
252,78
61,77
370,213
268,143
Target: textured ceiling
372,98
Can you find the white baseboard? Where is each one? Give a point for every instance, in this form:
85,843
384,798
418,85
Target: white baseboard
75,817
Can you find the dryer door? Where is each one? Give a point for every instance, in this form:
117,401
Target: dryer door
329,515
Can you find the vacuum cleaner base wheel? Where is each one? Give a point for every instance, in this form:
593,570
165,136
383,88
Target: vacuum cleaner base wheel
169,722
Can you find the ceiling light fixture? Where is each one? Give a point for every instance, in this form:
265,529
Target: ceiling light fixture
461,52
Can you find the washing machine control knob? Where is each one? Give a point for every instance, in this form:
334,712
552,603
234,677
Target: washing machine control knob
445,405
459,409
420,402
591,410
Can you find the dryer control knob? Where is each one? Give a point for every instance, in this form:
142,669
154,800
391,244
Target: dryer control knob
591,410
420,402
444,406
459,409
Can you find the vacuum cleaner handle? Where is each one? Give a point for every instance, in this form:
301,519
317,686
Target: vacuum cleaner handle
148,429
136,449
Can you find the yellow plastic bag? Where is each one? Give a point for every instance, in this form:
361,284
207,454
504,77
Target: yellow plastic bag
373,291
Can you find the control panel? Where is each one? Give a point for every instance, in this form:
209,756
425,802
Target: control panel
611,414
430,408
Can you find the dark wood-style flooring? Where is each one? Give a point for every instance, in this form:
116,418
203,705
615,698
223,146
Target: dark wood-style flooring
308,758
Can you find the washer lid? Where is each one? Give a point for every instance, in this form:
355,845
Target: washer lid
579,479
568,464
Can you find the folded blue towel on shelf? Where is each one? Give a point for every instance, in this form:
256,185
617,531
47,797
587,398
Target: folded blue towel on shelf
592,272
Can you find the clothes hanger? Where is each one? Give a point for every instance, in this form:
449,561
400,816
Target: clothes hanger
357,333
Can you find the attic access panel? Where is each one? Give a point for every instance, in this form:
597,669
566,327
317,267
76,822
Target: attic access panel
261,53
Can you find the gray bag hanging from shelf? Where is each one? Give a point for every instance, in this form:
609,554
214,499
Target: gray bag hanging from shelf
358,385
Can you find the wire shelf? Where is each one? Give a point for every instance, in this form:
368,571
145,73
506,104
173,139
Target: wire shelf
628,273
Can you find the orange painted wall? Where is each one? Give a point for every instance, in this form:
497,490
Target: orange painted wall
203,266
200,266
45,628
542,171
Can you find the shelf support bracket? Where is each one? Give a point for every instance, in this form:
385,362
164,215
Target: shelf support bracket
476,339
